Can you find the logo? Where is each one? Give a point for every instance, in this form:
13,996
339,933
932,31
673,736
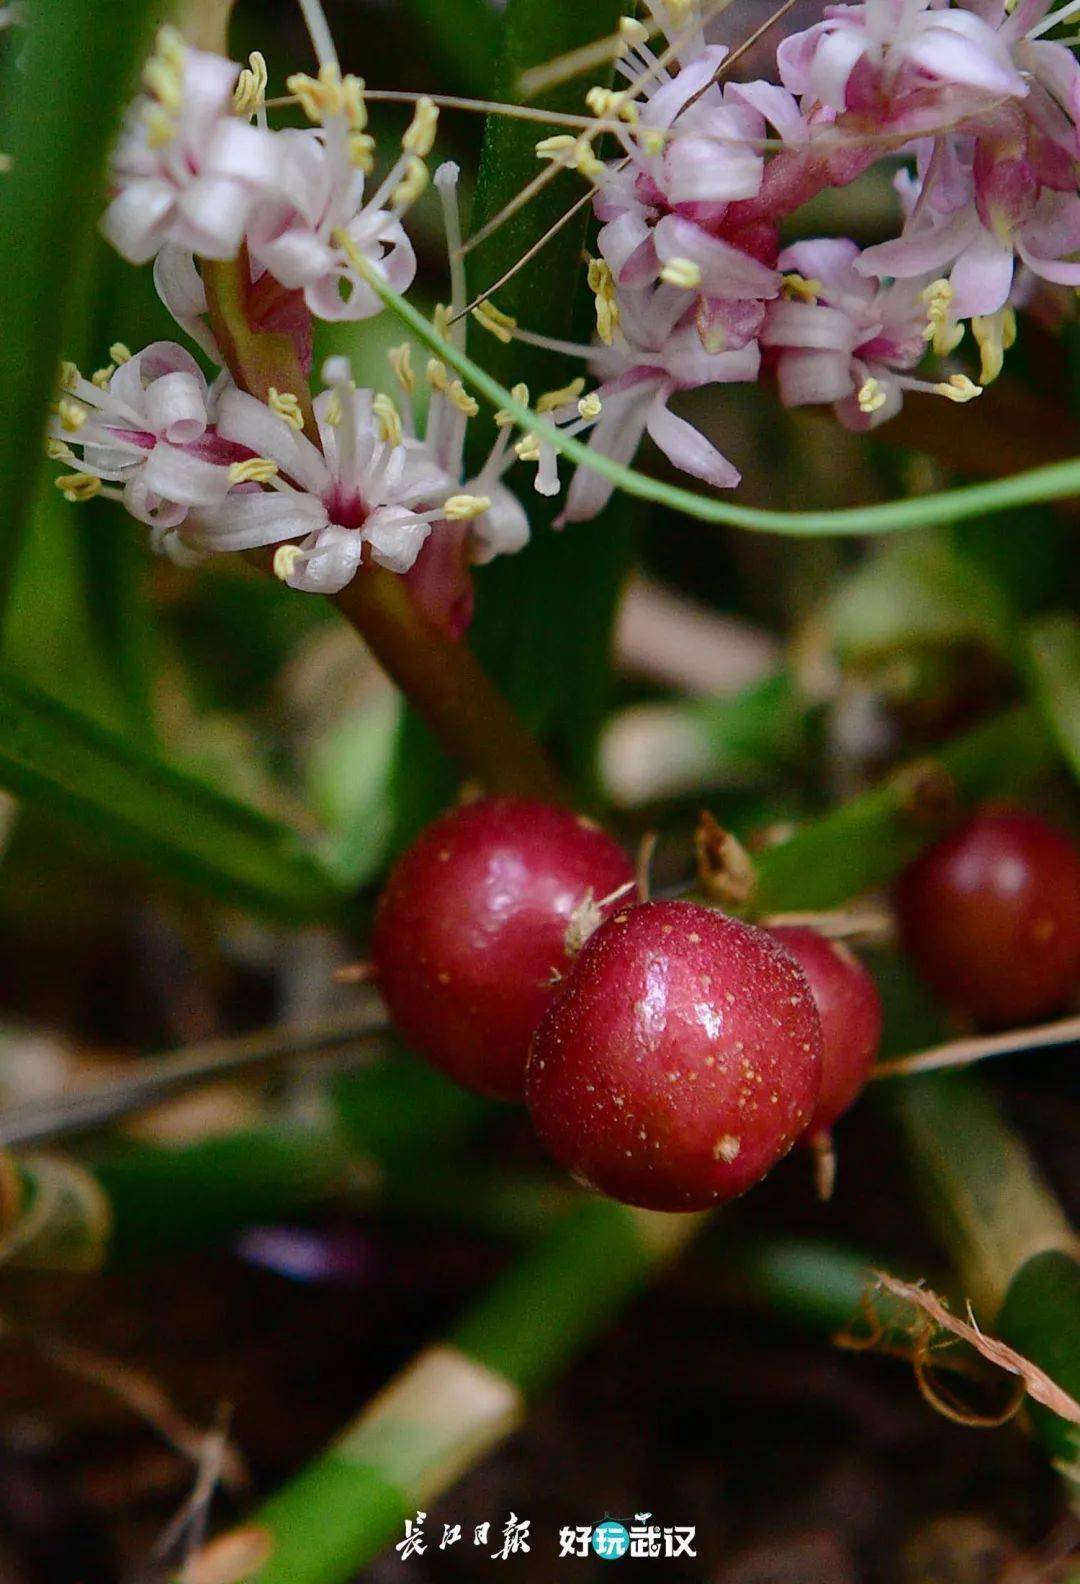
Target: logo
610,1540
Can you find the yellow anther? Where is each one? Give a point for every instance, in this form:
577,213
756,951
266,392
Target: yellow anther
120,353
286,405
411,185
72,414
441,320
554,148
256,470
436,375
682,272
797,288
420,135
653,140
995,334
164,80
77,487
169,46
463,508
69,374
58,450
362,151
400,360
330,94
631,31
528,448
389,419
602,285
501,325
160,125
958,388
944,334
285,558
520,393
459,397
559,398
250,91
872,397
101,377
586,162
590,407
333,412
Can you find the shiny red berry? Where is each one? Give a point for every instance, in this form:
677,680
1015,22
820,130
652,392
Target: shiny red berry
681,1060
991,917
470,933
849,1007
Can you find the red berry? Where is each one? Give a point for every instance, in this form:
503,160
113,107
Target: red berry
849,1007
470,932
991,917
680,1062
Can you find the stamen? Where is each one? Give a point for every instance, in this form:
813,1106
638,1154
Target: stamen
389,419
590,407
940,330
419,139
958,388
411,185
463,508
120,353
77,487
69,375
602,285
286,557
520,393
71,414
101,377
871,396
459,397
797,288
249,95
286,405
255,470
333,412
500,325
58,450
995,334
681,272
400,360
559,398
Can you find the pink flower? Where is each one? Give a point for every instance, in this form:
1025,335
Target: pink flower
186,168
147,429
843,339
656,351
899,64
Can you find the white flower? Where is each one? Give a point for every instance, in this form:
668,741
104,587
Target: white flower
186,168
146,430
360,494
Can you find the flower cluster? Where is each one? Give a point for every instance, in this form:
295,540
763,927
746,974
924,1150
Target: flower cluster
691,282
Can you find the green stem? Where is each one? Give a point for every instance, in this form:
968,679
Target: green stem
1058,481
440,677
458,1400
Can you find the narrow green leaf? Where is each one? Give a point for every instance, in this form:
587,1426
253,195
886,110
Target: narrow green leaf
1053,645
465,38
59,100
862,844
150,811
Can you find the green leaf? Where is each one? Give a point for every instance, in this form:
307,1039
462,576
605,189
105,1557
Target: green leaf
148,810
862,844
465,37
1053,647
918,591
59,99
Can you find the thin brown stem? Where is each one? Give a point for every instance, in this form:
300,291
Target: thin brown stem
964,1052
